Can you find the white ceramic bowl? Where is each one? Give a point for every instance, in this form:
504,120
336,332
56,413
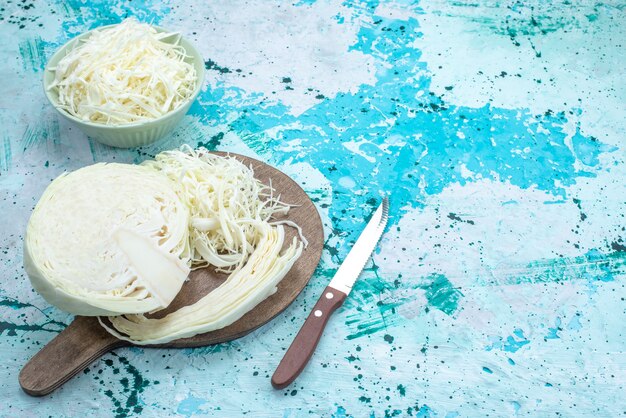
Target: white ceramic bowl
133,134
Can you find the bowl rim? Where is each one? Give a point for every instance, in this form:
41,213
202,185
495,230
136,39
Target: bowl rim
190,49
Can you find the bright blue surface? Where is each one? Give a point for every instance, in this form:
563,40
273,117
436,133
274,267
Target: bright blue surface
496,128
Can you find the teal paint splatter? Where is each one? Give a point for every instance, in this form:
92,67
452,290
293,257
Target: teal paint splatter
457,218
13,328
525,20
425,412
32,52
511,344
190,406
305,2
487,370
515,343
618,245
79,18
213,143
341,413
212,66
133,386
594,265
5,154
371,321
30,137
47,131
574,323
48,325
441,294
588,149
430,156
553,332
210,349
15,304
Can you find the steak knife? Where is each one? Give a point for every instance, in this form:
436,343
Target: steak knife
303,346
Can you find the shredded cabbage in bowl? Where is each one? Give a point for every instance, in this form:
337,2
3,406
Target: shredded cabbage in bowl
124,74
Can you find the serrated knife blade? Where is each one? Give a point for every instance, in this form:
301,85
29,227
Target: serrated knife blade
351,268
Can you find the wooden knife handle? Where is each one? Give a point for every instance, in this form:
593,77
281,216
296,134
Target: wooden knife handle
303,346
77,346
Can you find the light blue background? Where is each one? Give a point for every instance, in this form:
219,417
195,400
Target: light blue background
497,128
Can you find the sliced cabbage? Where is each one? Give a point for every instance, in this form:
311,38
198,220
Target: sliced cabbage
230,229
229,207
108,239
245,288
124,74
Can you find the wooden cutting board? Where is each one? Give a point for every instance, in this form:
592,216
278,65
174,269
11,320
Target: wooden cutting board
84,340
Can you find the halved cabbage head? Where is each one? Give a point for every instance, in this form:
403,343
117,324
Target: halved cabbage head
108,239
